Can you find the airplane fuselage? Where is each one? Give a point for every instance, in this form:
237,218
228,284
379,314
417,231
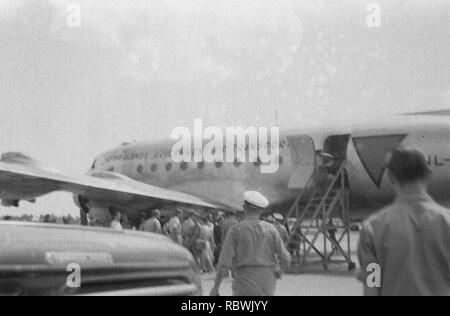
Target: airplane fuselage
363,146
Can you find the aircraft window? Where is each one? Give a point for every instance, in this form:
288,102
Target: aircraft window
183,165
140,169
219,165
169,167
201,165
154,167
93,165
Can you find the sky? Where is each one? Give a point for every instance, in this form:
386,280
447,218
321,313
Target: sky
136,69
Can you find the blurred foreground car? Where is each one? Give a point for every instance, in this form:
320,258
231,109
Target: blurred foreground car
37,259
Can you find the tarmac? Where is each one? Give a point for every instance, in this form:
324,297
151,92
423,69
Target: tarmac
312,280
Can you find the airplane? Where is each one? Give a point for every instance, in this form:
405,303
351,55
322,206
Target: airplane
139,176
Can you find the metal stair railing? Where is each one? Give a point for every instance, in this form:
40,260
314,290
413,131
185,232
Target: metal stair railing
305,236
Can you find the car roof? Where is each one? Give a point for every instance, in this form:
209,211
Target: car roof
47,244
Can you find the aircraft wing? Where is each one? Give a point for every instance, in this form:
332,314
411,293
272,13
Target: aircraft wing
442,112
21,178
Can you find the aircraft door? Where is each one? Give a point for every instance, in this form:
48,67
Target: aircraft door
303,158
337,146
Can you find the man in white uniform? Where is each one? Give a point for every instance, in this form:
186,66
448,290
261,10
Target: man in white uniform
252,250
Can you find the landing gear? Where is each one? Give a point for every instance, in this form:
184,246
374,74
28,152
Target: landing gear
351,266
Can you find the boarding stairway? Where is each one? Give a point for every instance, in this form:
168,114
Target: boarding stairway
322,228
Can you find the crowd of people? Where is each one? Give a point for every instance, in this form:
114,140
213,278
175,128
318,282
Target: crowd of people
47,219
202,234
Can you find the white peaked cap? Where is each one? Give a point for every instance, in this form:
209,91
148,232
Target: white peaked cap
278,217
256,199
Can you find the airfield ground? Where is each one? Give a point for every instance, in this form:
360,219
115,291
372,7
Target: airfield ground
309,281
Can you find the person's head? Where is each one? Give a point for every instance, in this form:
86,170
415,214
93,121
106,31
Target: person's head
407,167
92,217
326,158
278,218
178,213
116,215
204,219
189,215
156,214
220,217
255,203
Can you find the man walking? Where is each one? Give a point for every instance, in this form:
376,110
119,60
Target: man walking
153,224
218,236
252,250
279,225
188,232
173,228
405,249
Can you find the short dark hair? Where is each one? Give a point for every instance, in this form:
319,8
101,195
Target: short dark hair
114,211
407,166
156,212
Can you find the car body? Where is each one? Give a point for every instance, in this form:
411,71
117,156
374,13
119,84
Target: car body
41,260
